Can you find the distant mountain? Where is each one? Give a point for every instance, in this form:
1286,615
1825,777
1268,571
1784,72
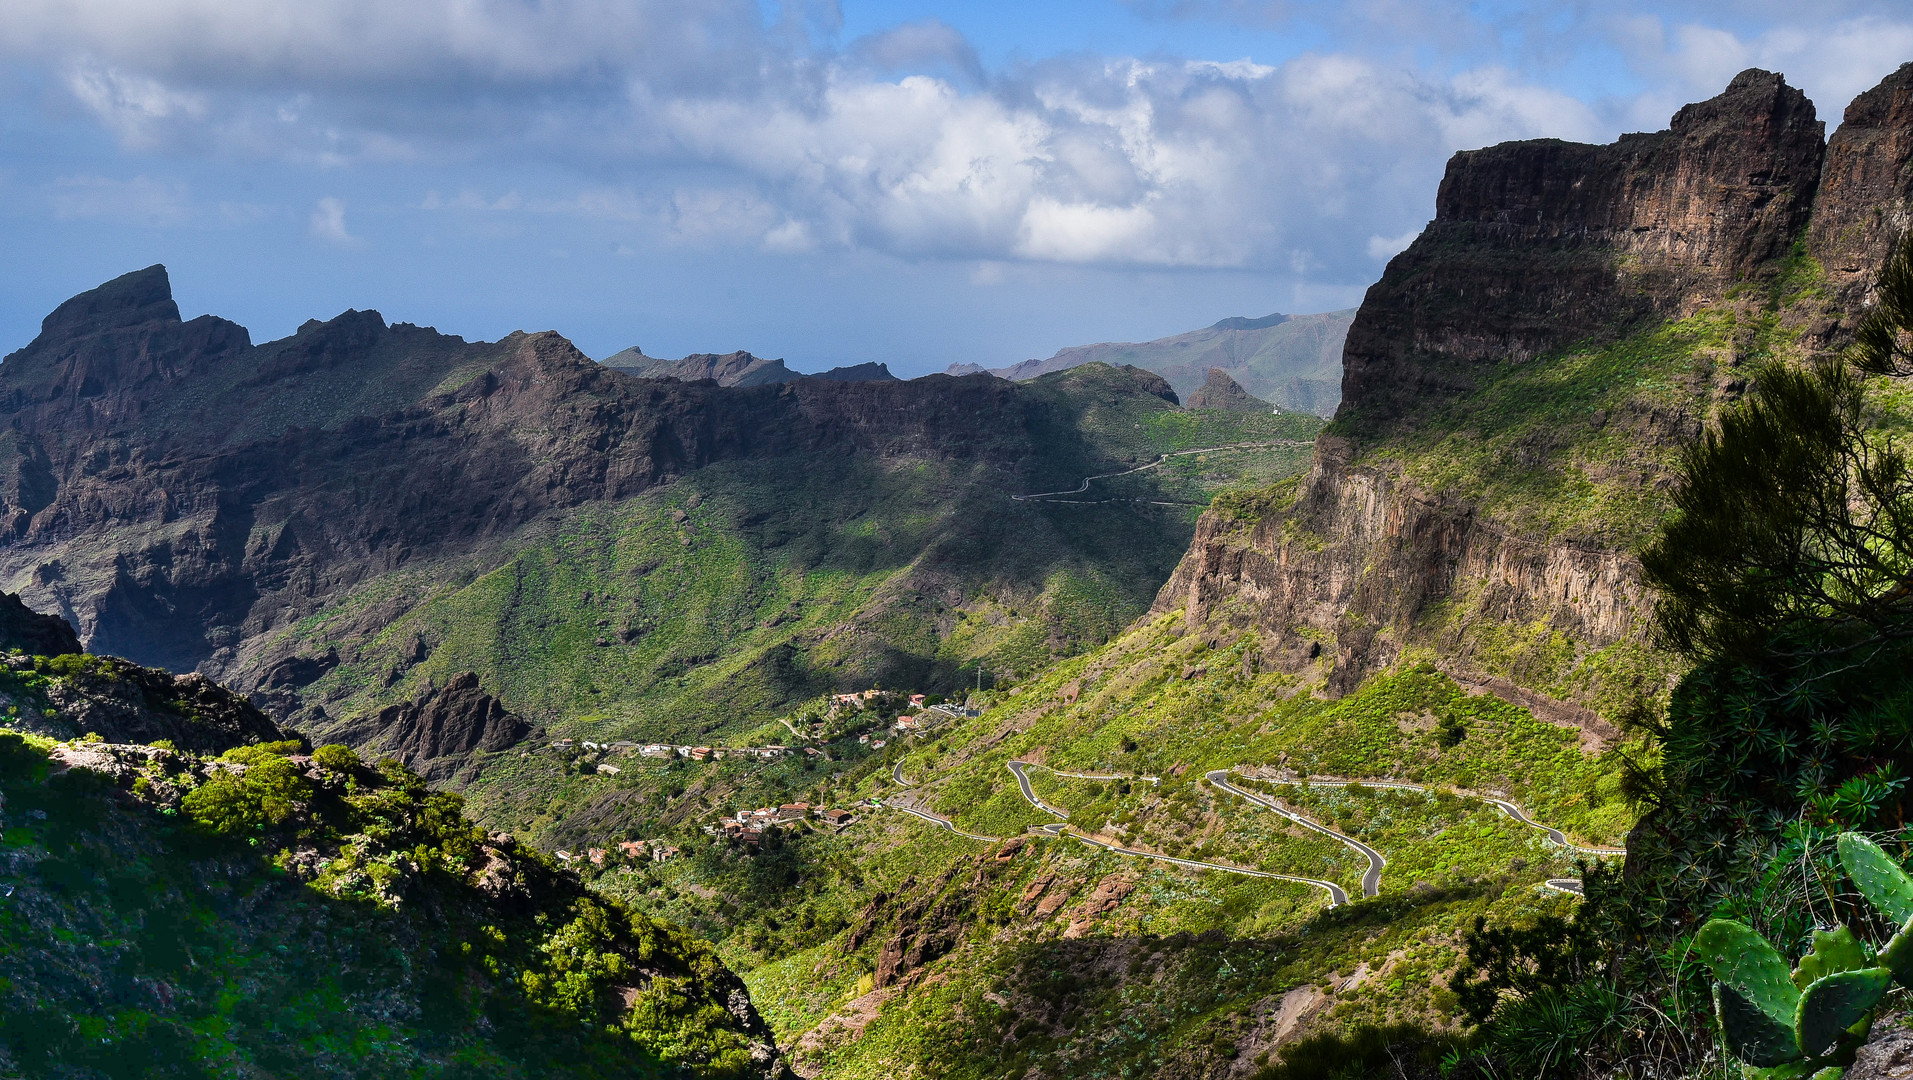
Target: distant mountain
876,372
729,369
735,369
1294,361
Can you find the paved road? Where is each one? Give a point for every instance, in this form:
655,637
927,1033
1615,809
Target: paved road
1371,880
1571,886
1084,486
1335,893
942,822
1023,781
1504,805
896,773
1090,776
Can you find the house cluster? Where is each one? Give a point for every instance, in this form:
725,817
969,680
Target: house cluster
627,851
668,751
749,826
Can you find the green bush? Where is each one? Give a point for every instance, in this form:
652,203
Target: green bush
337,757
265,796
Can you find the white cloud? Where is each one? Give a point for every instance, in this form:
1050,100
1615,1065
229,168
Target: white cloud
700,125
328,223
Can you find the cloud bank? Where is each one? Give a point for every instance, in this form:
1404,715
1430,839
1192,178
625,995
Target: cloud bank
710,124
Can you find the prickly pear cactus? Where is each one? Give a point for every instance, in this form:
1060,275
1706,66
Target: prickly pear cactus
1807,1022
1878,876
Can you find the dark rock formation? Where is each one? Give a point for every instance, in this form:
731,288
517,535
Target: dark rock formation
872,372
1538,244
124,703
1222,392
450,722
1865,199
25,630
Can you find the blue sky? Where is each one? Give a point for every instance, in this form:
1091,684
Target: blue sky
915,181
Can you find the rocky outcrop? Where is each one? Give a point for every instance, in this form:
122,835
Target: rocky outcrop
1537,246
1865,199
1363,555
1541,243
71,696
25,630
1221,392
448,723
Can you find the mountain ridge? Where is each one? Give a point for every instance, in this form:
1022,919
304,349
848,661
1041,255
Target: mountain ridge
1293,361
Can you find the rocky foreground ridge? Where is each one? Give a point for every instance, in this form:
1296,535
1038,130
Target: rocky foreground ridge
1740,219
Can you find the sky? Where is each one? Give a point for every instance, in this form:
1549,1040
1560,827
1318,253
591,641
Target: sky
918,182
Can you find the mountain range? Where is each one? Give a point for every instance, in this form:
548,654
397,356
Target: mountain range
1270,747
1294,361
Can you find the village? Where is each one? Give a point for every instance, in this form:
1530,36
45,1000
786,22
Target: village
874,717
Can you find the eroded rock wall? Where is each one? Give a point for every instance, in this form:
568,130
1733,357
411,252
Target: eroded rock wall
1537,246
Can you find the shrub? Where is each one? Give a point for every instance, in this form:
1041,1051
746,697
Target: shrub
337,757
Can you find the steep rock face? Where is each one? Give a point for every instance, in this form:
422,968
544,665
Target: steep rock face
1537,244
1363,550
1866,193
25,630
448,723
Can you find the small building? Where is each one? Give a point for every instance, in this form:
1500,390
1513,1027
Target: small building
596,855
864,738
663,854
658,750
793,811
563,856
700,753
838,818
811,751
632,849
876,744
609,770
916,701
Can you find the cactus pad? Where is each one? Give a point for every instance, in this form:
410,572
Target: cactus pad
1743,960
1833,950
1831,1005
1878,875
1752,1035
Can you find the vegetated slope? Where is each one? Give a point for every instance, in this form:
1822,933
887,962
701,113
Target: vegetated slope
1292,360
894,944
353,517
1522,378
229,903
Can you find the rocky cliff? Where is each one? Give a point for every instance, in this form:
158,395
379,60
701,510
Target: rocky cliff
436,733
1572,314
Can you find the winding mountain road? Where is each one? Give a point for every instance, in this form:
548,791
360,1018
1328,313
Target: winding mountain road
1084,486
1371,878
1503,805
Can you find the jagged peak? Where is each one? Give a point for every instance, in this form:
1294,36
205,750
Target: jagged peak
134,299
